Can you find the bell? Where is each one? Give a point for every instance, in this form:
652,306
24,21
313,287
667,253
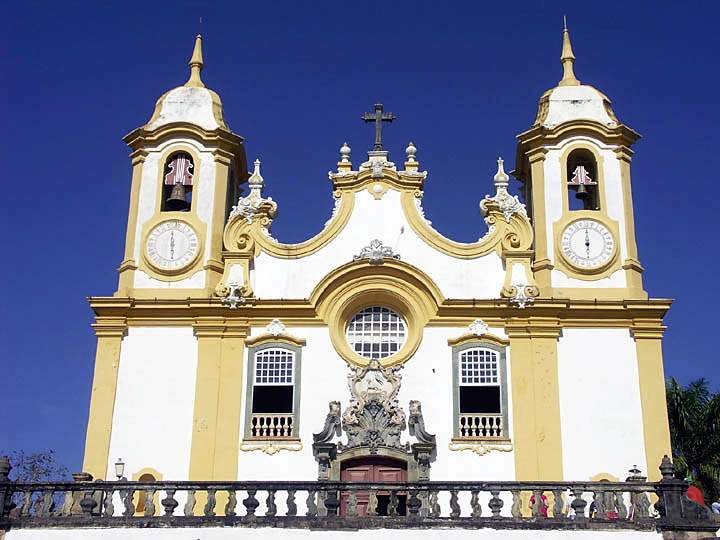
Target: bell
177,202
582,192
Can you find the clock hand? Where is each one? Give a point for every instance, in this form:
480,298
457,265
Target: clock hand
587,244
172,245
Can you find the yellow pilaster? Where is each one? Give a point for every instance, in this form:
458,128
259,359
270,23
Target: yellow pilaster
214,265
110,332
542,265
218,391
129,264
631,265
656,428
537,436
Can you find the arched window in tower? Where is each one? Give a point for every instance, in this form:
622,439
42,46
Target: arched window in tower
583,180
178,183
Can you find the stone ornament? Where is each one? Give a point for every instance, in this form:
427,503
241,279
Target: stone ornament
254,204
275,328
478,327
271,447
376,253
509,204
232,294
480,448
521,294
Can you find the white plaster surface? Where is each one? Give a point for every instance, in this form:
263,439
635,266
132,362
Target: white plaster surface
385,220
272,533
576,102
426,377
600,410
186,104
153,416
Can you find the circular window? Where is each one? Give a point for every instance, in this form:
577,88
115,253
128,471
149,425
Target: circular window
376,332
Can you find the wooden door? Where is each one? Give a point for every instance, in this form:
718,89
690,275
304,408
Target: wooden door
378,470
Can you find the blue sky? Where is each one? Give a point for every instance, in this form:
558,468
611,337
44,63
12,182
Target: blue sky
464,79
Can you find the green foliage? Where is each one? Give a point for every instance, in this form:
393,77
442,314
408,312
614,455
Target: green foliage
37,467
694,414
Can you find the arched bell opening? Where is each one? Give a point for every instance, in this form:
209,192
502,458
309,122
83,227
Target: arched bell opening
582,180
178,183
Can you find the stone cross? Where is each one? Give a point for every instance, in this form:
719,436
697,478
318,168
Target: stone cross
378,116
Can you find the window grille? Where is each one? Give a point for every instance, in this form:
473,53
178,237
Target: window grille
376,332
274,367
479,367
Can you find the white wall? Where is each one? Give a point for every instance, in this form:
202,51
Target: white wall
272,533
602,427
381,219
153,416
426,377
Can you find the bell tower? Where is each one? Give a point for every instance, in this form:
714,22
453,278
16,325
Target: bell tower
187,170
574,163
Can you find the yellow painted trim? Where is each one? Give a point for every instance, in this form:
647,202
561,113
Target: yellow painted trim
566,266
110,332
656,428
474,338
129,264
537,432
599,162
604,477
243,237
541,265
272,338
169,151
185,272
393,284
511,236
216,418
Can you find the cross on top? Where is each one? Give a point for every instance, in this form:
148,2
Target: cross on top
378,116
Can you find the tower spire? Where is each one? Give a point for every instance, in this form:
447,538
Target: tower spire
568,59
196,64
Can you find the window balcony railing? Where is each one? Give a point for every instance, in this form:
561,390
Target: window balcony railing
480,426
342,505
272,426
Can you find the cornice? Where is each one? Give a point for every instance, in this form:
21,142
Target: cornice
142,137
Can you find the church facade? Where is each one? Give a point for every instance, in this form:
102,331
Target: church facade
379,349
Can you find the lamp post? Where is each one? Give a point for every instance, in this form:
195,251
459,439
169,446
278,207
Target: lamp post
119,468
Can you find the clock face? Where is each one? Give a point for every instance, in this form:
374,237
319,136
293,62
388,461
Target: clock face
172,245
587,244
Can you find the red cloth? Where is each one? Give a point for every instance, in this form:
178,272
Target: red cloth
694,494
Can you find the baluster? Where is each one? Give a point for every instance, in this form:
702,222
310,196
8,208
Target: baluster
189,508
516,508
27,501
599,500
578,505
88,503
620,505
270,503
67,504
495,503
393,504
47,503
537,503
454,506
209,509
109,507
475,505
149,503
312,509
291,506
352,505
332,503
169,503
425,507
36,507
372,503
558,504
434,504
413,504
231,503
251,503
127,498
641,504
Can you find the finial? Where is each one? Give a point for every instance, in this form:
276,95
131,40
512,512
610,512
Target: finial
568,59
196,64
411,150
256,180
501,179
345,153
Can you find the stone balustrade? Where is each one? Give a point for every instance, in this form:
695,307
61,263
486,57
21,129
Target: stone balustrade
480,426
634,504
272,426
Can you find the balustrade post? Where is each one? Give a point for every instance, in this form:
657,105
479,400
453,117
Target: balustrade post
332,502
5,490
670,493
413,504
